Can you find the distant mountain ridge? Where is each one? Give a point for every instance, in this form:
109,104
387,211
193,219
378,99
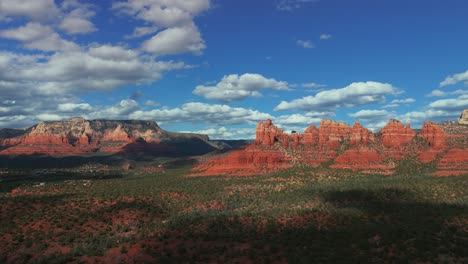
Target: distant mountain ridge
78,136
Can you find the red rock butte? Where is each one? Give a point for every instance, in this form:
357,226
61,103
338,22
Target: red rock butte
341,146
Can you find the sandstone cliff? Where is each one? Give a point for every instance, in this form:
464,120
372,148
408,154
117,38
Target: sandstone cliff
78,136
340,146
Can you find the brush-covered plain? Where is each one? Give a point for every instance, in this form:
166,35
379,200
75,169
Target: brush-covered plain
300,215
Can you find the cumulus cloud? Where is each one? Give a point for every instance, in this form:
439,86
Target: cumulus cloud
450,105
396,103
306,44
37,10
454,79
176,40
39,37
72,107
203,113
236,87
355,94
78,21
51,83
437,93
179,33
142,31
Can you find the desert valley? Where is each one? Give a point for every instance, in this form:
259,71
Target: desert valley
129,191
212,131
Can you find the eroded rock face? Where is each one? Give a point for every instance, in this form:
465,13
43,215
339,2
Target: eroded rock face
463,120
434,135
267,134
310,136
367,151
394,134
78,136
361,136
249,161
331,133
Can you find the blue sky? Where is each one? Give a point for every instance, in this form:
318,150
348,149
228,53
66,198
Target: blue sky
219,67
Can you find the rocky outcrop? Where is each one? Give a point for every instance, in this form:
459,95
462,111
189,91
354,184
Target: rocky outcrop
434,135
267,134
245,162
395,135
310,136
361,136
332,133
78,136
343,147
463,117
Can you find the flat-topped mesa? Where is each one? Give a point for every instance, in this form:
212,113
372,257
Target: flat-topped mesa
434,135
394,134
360,136
80,136
331,133
267,134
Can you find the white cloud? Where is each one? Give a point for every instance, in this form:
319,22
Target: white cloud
325,36
36,10
457,104
142,31
151,103
391,106
203,113
77,21
51,117
179,33
437,93
403,101
454,79
176,40
355,94
71,107
299,122
39,37
291,5
306,44
236,87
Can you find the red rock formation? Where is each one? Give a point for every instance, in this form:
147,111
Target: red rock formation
78,136
310,136
365,152
434,135
361,159
267,134
331,133
394,134
454,159
249,161
360,136
296,138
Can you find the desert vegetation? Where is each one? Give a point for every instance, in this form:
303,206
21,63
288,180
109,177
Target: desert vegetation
298,215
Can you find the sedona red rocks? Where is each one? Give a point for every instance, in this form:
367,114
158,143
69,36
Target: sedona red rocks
355,148
78,136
